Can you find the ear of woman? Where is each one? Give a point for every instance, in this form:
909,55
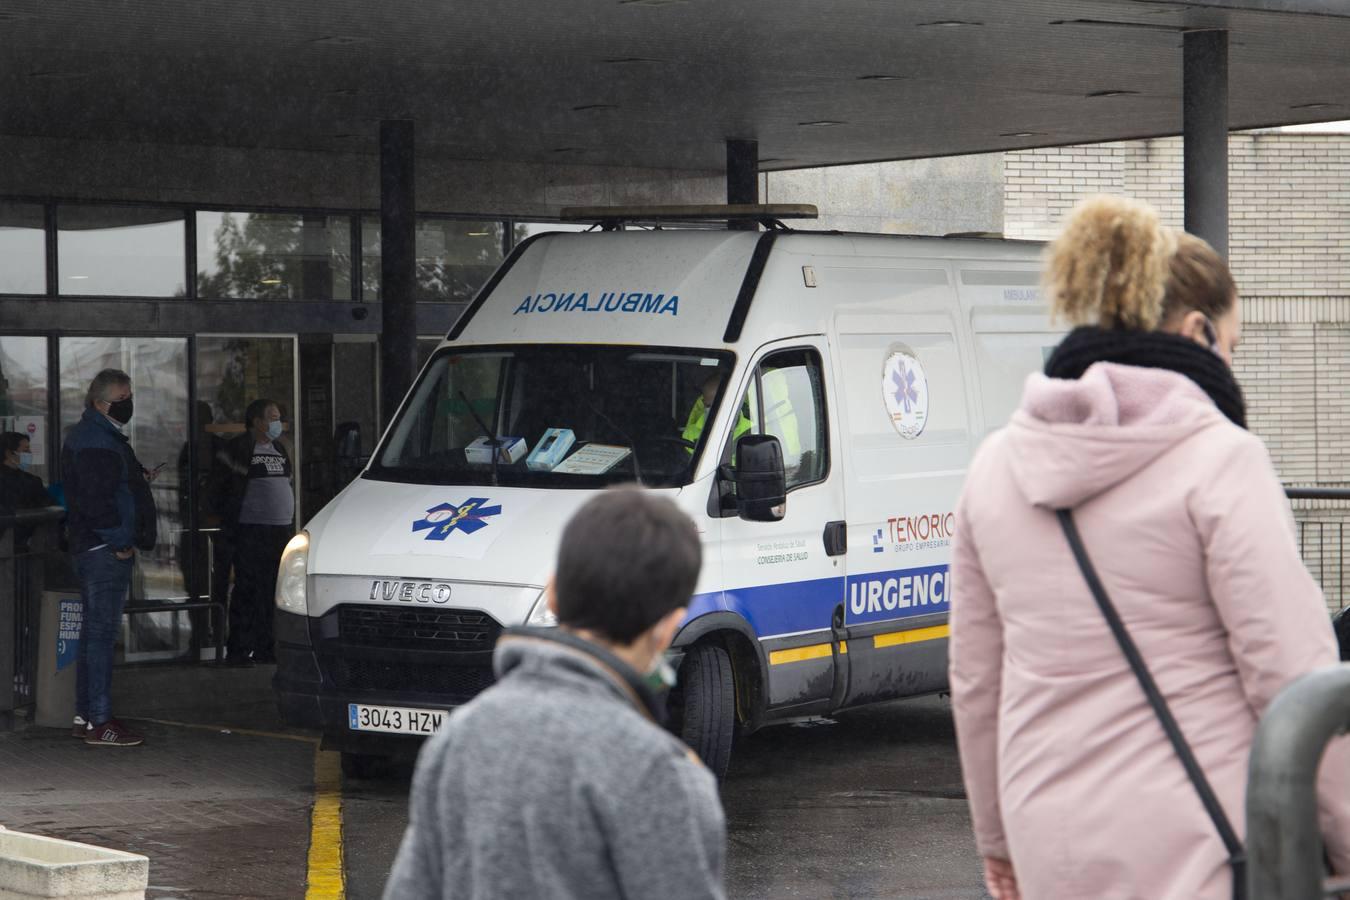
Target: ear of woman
1195,326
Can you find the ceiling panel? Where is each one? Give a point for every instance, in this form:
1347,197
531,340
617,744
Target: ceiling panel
658,83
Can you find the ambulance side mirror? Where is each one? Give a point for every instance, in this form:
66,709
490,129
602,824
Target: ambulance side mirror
761,481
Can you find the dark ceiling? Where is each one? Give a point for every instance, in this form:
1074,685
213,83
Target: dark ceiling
653,83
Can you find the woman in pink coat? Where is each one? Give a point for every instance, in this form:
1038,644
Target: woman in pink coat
1138,426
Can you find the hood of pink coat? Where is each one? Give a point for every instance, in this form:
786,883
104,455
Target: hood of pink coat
1072,440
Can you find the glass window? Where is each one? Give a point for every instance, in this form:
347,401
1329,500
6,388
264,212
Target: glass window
625,411
23,249
455,257
787,400
355,403
522,230
234,371
121,251
273,256
23,396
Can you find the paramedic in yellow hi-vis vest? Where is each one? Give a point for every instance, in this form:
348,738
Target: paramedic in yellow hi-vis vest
698,416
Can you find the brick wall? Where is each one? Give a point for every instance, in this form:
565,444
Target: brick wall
1288,196
1289,246
1289,212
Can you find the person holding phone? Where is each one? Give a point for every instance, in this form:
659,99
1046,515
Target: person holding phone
255,494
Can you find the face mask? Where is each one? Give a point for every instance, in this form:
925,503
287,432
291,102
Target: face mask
661,676
25,461
274,429
121,411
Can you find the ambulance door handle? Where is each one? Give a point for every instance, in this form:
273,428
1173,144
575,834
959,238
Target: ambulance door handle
836,538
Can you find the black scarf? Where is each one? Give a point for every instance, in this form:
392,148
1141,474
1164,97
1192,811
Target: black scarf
1154,350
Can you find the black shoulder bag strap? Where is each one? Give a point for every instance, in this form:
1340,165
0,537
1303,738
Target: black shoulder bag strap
1237,857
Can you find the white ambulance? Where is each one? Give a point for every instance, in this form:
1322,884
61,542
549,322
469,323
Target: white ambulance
810,399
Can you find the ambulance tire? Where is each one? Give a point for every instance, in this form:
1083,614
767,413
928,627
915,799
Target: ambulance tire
360,765
709,705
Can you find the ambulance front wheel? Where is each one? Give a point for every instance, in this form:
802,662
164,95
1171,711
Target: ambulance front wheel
708,711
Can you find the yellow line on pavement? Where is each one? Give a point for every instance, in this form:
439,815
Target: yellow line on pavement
326,877
913,636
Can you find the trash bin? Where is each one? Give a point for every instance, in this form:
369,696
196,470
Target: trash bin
35,866
59,647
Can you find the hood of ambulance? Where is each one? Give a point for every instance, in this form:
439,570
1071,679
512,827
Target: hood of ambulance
387,542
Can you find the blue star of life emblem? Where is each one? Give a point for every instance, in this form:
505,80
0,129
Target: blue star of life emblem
905,393
446,518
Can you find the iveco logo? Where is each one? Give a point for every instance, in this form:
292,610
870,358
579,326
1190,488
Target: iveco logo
410,591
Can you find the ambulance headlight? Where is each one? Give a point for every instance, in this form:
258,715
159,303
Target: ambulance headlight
541,616
291,576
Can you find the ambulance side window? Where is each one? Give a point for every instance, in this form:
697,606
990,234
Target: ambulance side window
787,400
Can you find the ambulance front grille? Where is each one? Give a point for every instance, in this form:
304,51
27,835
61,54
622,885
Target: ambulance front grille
460,682
403,628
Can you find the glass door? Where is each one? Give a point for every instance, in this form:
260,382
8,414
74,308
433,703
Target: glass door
158,433
23,397
232,372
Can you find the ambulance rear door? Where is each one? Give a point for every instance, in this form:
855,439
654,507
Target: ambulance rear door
906,399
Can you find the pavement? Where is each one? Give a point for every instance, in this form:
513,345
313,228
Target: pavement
222,809
221,796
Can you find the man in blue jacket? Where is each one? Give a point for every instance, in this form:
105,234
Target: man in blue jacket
110,515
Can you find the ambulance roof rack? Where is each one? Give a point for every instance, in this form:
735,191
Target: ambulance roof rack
612,218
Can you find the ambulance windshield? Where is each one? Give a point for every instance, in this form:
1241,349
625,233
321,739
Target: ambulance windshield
556,416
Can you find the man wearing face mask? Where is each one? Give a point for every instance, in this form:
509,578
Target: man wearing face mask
256,500
110,514
19,488
559,781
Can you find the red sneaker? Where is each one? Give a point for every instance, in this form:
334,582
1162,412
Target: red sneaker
80,729
113,733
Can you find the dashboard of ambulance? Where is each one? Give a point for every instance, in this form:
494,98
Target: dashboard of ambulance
556,416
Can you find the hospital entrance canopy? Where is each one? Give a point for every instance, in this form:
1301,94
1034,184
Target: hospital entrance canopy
653,83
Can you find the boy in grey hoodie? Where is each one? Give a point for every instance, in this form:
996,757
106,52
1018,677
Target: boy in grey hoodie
559,781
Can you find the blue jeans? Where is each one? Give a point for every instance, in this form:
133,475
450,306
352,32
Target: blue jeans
104,582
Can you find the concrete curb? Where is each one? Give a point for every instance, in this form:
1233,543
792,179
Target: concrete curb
33,866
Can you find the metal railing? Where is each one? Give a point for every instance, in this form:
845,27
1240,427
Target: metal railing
1321,514
1284,841
27,539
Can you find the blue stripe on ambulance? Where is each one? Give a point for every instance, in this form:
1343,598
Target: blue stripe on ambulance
798,606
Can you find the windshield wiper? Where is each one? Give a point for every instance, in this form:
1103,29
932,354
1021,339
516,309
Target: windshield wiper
493,444
632,445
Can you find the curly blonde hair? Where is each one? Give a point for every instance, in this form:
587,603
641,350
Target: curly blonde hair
1110,264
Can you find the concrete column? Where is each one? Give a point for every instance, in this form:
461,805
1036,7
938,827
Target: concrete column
398,264
743,179
8,612
1205,129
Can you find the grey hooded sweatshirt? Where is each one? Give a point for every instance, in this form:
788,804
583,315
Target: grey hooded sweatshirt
557,782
